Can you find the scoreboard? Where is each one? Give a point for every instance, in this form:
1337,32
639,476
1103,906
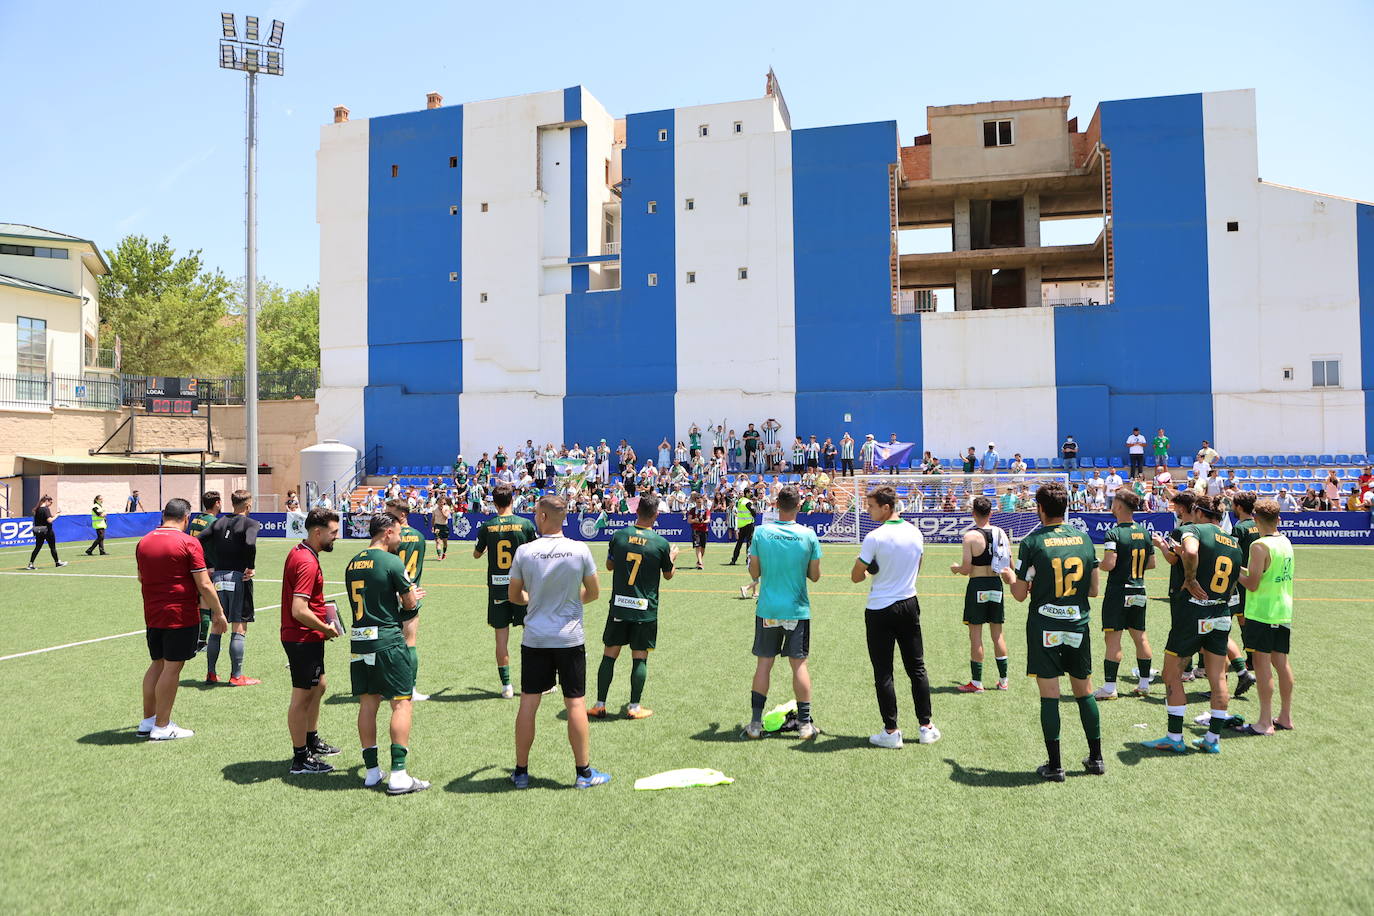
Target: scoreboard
171,397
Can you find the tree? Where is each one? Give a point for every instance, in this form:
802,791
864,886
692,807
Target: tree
288,327
170,313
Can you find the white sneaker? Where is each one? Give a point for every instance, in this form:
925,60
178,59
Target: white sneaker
753,730
170,733
145,728
418,697
507,691
807,730
743,589
373,777
1204,719
1199,673
929,734
1187,677
1105,693
31,566
886,739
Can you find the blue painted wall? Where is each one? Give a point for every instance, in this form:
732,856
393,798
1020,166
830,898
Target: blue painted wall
1364,234
414,312
622,344
1146,359
853,355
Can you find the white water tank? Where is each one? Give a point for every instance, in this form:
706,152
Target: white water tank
328,465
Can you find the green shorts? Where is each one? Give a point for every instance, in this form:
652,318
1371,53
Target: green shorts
983,601
502,613
1267,637
1123,610
639,635
1197,627
1051,653
388,672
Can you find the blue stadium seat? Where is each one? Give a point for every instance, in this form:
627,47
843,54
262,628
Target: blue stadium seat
1262,461
1003,464
1294,460
1075,476
1279,461
1290,474
1326,460
1247,460
1267,489
1099,462
1275,474
1249,486
1242,474
1310,460
1230,461
1306,474
1117,462
1359,459
1055,462
1341,459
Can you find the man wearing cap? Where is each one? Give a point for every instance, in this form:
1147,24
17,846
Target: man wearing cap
866,453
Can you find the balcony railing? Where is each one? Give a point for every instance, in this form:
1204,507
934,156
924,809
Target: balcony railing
610,248
110,391
101,359
1080,300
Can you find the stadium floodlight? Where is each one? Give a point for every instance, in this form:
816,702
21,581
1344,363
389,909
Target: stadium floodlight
246,54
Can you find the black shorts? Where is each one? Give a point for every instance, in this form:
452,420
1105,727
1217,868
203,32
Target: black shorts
1267,637
540,667
1197,628
441,532
172,644
699,538
639,635
306,661
770,642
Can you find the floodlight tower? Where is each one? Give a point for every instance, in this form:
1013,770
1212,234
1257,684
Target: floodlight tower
253,56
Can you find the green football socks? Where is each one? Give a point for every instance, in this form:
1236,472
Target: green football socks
398,757
503,671
1049,718
1237,665
370,757
1143,666
604,675
976,669
1001,667
1109,669
1090,717
639,673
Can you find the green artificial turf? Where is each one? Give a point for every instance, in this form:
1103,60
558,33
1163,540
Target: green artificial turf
98,820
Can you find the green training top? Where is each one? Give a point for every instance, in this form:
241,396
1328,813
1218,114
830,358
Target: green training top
1176,570
1246,534
1272,602
1133,547
375,580
1058,560
1218,562
499,536
640,556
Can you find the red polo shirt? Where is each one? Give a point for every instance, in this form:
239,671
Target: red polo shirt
166,559
302,576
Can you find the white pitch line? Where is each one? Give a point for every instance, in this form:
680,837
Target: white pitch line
79,575
86,642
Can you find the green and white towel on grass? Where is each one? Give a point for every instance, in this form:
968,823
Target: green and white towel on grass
688,778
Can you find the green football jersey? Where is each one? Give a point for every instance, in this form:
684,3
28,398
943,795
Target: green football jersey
1219,560
375,580
207,545
640,556
1176,570
412,553
1245,534
1133,548
1058,561
499,536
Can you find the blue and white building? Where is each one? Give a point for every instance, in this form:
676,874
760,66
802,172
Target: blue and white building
536,268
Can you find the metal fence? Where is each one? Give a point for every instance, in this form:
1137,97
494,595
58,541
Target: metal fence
105,391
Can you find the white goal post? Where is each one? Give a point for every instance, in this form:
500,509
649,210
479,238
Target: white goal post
938,504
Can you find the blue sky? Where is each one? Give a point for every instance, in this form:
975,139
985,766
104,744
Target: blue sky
116,118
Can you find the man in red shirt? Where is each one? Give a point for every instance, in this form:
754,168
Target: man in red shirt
175,582
1367,480
699,516
305,626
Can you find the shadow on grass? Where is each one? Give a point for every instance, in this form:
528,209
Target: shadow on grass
980,777
195,683
476,693
341,699
713,732
824,744
113,736
950,688
470,784
256,772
